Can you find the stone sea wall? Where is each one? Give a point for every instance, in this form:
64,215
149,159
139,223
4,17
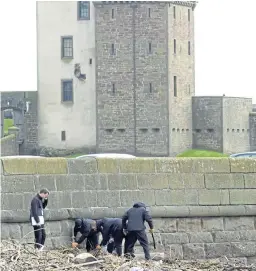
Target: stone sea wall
202,208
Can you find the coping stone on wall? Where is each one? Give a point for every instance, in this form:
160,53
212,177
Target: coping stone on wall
245,165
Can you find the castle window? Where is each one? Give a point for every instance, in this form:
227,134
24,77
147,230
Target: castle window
187,130
67,90
113,50
178,130
174,13
90,61
67,47
173,129
84,10
63,135
243,130
121,130
150,48
143,130
189,15
149,12
237,130
189,49
210,130
113,88
156,130
113,13
233,130
227,130
109,130
174,46
150,88
198,130
182,130
175,86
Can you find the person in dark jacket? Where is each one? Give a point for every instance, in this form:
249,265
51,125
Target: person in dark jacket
89,229
135,228
38,204
112,227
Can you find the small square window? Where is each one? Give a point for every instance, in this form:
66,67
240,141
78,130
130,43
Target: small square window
83,10
63,135
67,90
67,47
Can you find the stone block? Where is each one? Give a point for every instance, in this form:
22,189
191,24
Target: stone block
248,235
5,231
11,201
82,166
80,212
234,261
59,242
174,252
250,210
235,210
153,181
217,181
239,223
84,199
100,212
217,250
108,165
174,238
138,165
56,214
10,231
245,165
177,197
200,237
67,228
53,229
193,251
122,182
212,224
186,181
250,180
189,224
108,199
173,165
120,211
226,236
210,165
176,211
95,182
203,211
20,166
45,181
27,231
245,196
244,249
213,197
27,198
165,225
17,184
128,198
71,182
60,200
52,166
18,216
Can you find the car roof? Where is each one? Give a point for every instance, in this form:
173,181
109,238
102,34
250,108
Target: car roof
242,153
107,155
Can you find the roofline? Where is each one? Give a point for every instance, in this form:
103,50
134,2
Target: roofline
230,97
191,4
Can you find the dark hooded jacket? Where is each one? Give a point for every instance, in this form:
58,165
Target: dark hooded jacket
110,226
85,227
37,206
136,217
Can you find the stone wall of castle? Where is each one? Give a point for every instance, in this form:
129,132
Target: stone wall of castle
132,79
252,123
202,208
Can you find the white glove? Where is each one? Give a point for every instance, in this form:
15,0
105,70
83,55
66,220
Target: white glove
38,224
111,240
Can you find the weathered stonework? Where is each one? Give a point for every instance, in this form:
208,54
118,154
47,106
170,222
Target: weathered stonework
202,208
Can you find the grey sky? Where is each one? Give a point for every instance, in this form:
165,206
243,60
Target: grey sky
225,47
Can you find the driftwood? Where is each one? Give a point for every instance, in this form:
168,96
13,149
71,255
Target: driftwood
18,256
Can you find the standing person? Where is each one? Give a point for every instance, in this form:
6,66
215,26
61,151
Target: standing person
89,229
112,227
135,228
38,204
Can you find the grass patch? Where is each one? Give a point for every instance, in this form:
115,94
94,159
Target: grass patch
201,153
7,123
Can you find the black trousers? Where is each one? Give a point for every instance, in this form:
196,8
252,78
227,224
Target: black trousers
118,237
40,236
132,238
92,242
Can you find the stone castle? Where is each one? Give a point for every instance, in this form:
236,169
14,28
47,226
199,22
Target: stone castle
119,76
